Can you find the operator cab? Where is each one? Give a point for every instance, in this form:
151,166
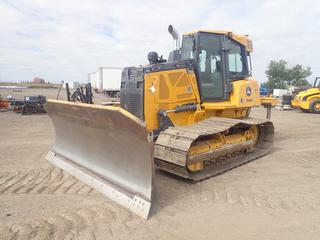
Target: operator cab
219,60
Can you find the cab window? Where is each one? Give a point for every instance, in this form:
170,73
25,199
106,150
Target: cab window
237,63
235,59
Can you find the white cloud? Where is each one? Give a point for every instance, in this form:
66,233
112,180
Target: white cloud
64,40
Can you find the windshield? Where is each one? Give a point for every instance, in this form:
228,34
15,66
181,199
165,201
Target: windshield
209,66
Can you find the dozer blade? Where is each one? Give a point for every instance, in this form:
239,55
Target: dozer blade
107,148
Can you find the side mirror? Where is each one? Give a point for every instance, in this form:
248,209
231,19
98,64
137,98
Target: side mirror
153,57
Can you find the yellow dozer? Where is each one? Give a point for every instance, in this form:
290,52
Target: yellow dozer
188,115
309,100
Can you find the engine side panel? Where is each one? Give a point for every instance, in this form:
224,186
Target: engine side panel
165,90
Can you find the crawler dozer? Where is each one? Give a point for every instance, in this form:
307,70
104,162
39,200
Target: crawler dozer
188,115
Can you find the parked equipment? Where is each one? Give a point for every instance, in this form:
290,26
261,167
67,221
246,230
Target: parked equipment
79,95
4,104
187,115
30,105
17,105
308,100
286,99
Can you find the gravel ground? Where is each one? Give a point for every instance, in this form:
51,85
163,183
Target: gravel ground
275,197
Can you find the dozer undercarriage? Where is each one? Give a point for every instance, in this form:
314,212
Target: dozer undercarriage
212,146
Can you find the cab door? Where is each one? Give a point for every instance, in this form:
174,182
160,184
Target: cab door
210,67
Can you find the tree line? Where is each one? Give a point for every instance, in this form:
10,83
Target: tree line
280,75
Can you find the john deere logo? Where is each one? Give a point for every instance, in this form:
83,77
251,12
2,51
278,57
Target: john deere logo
248,91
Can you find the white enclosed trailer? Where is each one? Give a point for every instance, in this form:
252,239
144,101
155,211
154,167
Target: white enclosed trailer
99,80
111,78
107,80
72,85
92,79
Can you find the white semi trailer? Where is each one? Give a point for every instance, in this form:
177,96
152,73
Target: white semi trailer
92,78
106,80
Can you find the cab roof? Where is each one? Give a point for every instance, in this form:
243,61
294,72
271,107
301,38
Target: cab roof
242,39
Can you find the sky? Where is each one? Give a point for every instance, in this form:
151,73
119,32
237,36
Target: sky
66,39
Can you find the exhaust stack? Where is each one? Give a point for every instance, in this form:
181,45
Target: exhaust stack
175,35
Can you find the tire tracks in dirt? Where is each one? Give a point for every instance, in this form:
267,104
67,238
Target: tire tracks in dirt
221,192
83,223
251,196
41,181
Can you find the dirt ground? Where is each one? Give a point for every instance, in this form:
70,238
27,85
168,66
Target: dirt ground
275,197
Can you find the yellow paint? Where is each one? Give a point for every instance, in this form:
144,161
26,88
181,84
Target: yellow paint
254,134
269,101
165,90
202,147
235,138
238,98
218,141
300,102
243,39
195,166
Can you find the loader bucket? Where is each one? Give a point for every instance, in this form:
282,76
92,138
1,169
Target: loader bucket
105,147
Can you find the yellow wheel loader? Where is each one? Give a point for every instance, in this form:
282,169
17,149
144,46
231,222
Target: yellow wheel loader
187,115
309,100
